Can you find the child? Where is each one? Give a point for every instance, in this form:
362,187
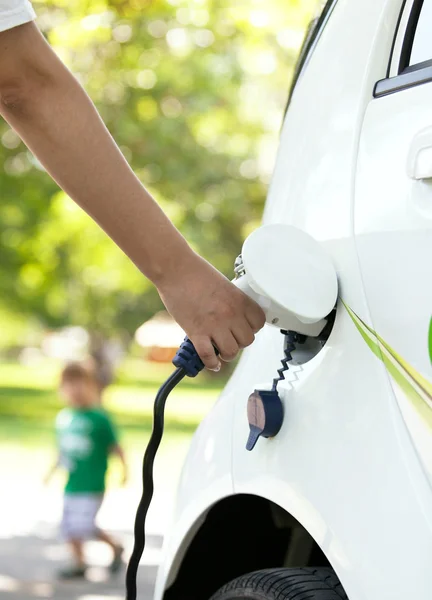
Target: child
86,438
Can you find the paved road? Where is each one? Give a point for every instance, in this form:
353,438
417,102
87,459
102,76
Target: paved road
31,552
28,566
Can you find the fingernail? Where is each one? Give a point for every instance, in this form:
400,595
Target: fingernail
216,369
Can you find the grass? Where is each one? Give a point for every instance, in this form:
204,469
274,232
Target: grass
29,400
29,403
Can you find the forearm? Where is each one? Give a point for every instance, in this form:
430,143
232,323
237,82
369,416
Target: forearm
119,452
52,470
58,122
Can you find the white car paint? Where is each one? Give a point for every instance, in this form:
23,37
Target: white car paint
352,462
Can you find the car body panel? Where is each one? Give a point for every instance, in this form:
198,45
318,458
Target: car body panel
344,464
393,220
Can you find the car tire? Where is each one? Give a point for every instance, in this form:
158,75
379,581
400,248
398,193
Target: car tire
284,584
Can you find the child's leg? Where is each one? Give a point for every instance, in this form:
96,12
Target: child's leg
70,527
78,567
78,524
77,548
117,549
103,536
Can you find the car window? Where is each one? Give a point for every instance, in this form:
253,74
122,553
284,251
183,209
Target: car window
415,60
421,49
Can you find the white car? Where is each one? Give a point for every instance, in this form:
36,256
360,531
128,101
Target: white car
339,503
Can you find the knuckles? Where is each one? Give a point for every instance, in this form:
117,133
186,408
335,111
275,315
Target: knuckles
206,355
228,354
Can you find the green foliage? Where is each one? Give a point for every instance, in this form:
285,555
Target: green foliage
193,92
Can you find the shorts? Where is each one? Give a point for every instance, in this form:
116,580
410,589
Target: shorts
79,516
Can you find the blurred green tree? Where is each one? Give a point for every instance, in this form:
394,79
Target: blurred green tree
193,92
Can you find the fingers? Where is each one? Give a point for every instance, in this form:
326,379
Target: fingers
231,339
226,344
255,316
207,354
220,314
243,333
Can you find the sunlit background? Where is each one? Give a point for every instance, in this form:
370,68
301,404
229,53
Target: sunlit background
194,93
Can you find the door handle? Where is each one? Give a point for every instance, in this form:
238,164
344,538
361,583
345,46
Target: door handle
419,165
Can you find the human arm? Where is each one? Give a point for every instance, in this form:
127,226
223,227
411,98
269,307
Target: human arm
51,112
118,451
53,468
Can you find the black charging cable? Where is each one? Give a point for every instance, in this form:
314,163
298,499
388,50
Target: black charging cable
187,363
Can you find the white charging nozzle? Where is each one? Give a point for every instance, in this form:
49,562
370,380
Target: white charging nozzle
290,276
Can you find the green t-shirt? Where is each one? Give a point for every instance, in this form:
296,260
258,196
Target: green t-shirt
85,437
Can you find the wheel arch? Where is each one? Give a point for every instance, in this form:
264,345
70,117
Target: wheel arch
240,534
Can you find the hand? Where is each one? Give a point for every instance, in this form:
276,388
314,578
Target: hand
211,310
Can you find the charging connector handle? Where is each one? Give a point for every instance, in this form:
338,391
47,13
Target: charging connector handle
187,358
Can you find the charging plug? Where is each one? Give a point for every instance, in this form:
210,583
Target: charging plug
290,275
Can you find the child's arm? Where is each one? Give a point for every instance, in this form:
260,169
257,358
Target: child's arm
118,451
51,471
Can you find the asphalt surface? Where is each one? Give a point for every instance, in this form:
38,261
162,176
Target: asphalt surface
31,551
29,564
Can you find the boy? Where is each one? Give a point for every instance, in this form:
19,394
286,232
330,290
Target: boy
86,438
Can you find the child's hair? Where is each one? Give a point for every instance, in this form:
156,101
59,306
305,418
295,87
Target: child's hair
78,371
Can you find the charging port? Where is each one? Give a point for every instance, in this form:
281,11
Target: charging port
307,347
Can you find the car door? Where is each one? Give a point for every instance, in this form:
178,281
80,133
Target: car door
393,221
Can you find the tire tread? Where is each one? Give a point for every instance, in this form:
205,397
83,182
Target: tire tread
305,583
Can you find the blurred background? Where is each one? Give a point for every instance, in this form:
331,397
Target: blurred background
194,92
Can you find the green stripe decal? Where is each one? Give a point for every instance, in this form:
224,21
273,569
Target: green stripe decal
416,387
430,340
371,341
421,381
